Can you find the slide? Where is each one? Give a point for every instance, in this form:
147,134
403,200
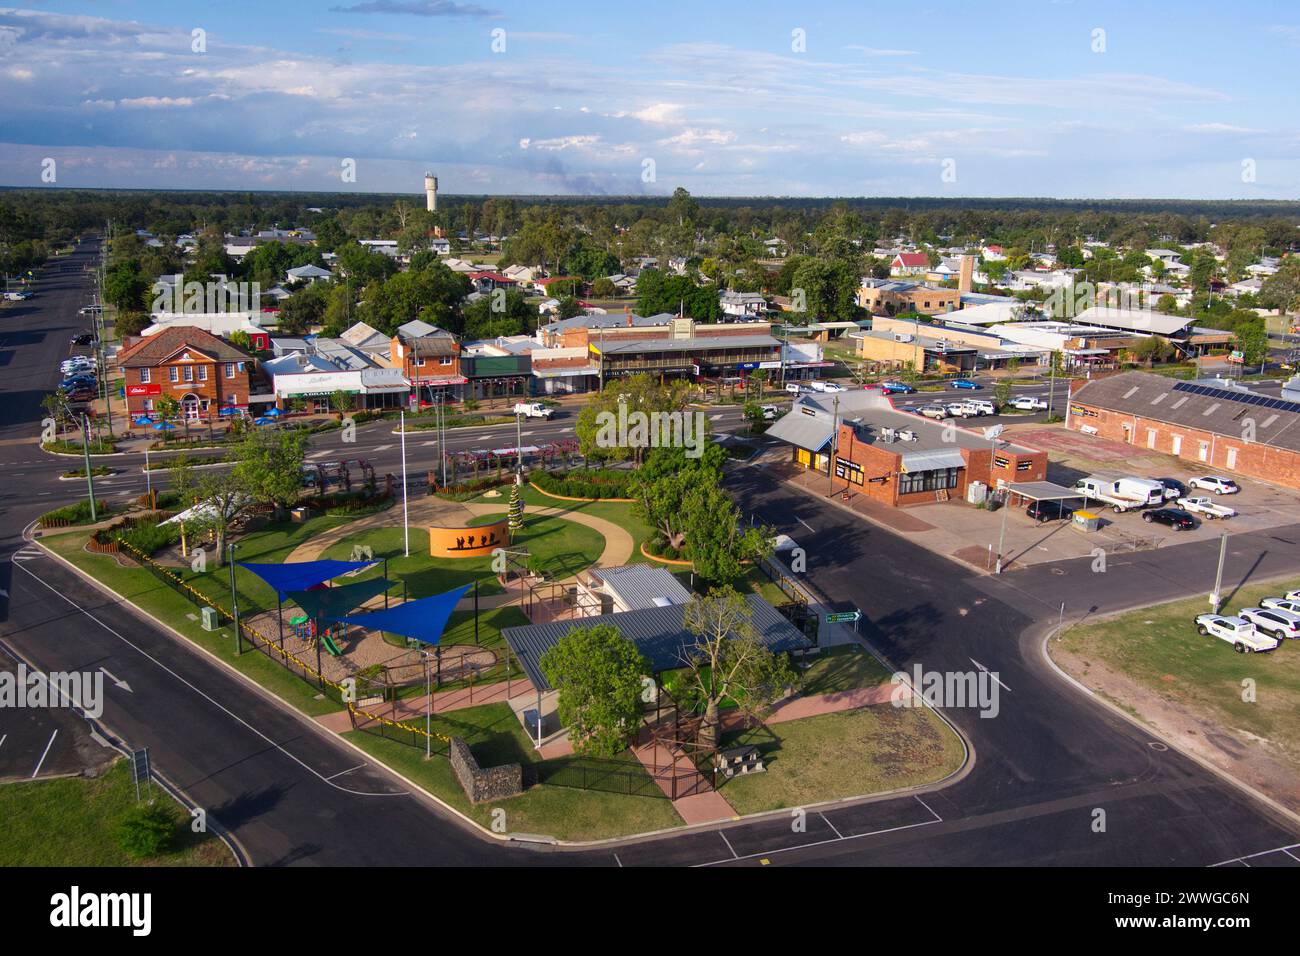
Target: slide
328,643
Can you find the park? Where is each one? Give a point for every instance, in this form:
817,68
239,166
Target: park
589,640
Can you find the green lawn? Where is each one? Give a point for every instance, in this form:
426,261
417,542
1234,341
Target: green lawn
619,512
496,737
865,751
70,821
842,668
1159,649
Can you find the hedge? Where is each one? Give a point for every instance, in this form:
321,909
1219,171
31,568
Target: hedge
593,483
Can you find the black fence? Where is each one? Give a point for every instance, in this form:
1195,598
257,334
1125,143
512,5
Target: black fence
590,773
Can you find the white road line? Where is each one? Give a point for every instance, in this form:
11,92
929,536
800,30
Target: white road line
342,772
937,818
734,854
40,762
991,674
831,825
226,710
1250,856
381,448
3,738
426,444
805,846
715,418
618,861
805,524
318,454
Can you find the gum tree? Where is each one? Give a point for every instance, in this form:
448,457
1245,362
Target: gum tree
598,673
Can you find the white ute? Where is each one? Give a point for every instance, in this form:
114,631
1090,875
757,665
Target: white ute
1205,505
1241,634
533,410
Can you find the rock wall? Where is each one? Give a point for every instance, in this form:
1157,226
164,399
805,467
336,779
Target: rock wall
484,784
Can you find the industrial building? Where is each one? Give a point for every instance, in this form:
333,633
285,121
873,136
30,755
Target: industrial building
1219,426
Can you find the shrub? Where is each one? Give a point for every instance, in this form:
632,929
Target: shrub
655,546
147,829
148,536
78,513
593,483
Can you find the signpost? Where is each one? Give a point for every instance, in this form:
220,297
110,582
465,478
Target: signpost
843,617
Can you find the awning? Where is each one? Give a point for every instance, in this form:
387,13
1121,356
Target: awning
300,575
424,620
803,431
1042,490
932,460
566,372
328,604
439,381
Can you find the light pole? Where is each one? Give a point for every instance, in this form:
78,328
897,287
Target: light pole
90,478
234,597
830,460
148,477
1215,595
519,443
406,525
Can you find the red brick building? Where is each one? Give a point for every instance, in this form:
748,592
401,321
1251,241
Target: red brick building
205,374
1215,426
898,458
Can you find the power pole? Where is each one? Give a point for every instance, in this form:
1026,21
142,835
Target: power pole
90,478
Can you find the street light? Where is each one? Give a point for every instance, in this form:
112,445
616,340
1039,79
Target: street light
234,597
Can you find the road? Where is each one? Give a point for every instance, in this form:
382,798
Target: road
291,794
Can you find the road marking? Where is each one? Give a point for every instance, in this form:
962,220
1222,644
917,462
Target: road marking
211,700
342,772
381,448
831,825
426,444
618,861
318,454
937,818
813,843
1250,856
991,674
734,854
3,738
41,762
805,524
120,683
715,418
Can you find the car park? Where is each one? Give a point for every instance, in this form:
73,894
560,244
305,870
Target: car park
965,383
1282,604
1026,403
1273,621
1240,633
1216,483
1174,488
1042,511
1176,518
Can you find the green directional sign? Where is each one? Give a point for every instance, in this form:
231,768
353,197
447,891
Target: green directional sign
843,617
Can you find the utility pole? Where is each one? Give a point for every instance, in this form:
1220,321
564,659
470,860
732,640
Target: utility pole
1215,595
406,524
519,443
90,478
830,460
234,597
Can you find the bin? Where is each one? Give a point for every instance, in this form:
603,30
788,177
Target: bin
1087,520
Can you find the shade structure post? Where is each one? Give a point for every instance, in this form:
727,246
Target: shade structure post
386,578
320,669
279,616
476,610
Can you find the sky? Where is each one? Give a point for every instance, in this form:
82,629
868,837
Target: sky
1054,98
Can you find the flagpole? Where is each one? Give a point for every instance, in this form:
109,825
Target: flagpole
406,527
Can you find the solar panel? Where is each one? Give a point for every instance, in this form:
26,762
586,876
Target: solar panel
1246,398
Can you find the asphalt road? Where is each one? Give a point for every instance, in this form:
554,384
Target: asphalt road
1044,765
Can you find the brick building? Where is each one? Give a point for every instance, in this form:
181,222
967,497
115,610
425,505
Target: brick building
429,358
897,458
892,296
1218,426
208,376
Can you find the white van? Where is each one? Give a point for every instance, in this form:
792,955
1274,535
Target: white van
1121,493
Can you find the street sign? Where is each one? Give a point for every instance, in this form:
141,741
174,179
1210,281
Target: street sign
843,617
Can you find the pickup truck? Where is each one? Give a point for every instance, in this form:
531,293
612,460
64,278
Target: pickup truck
1205,505
532,410
1241,634
1026,403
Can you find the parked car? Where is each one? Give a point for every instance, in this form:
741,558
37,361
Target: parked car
794,388
902,388
90,310
960,410
1027,403
1205,505
1042,511
832,387
85,338
78,381
1282,604
964,383
1273,621
1176,518
1173,488
72,366
769,413
1241,634
1293,595
937,412
81,395
982,406
1216,483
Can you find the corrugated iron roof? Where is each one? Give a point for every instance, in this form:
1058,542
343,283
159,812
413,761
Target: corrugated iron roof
638,586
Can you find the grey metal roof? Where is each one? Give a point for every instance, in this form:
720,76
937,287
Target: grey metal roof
1220,411
1042,490
690,345
642,585
931,460
805,431
611,320
1132,320
659,633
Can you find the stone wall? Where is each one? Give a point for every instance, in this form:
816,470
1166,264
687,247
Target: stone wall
484,784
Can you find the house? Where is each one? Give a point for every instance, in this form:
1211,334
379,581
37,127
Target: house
742,305
521,274
625,284
489,281
307,274
909,264
896,458
224,324
993,253
1166,256
559,285
890,297
463,266
206,375
440,246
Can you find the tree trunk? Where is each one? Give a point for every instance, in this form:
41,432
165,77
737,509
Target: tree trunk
709,727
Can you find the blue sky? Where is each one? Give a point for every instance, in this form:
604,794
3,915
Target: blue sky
1171,99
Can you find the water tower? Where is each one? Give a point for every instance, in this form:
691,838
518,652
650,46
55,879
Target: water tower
431,192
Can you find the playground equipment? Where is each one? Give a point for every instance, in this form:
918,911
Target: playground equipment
304,628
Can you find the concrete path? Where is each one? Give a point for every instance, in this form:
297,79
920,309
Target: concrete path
697,802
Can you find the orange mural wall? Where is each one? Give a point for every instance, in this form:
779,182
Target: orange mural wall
468,542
